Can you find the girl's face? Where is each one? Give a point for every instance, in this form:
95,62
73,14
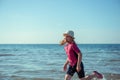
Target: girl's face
68,39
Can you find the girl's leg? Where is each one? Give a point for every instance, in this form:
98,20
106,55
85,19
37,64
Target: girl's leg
89,77
68,77
95,74
70,72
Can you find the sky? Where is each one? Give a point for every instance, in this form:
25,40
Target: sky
45,21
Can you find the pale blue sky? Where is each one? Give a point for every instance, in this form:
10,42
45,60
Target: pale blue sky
44,21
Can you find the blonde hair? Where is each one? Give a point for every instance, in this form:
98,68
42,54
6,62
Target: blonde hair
63,42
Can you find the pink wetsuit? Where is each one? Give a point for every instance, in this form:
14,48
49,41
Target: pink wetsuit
70,50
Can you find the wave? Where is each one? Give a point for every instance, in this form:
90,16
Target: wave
7,55
13,77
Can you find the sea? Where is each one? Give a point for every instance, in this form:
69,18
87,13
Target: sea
45,61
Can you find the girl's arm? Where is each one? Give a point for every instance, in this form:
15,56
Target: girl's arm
65,65
79,61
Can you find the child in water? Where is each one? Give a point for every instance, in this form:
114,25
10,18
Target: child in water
74,59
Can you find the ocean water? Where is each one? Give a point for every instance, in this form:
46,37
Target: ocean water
45,61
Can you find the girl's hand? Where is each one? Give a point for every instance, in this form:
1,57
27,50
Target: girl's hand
63,42
64,67
78,68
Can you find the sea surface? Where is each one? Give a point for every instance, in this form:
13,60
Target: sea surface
45,61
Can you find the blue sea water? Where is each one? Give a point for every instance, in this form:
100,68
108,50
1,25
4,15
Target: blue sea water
45,61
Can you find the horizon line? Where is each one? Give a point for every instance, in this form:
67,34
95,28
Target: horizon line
55,43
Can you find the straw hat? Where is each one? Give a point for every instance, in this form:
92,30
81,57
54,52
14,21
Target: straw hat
69,33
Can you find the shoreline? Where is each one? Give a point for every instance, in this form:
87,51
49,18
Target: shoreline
106,76
111,76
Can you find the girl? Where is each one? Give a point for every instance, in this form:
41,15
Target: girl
74,59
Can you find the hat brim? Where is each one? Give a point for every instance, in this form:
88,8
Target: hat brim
65,34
